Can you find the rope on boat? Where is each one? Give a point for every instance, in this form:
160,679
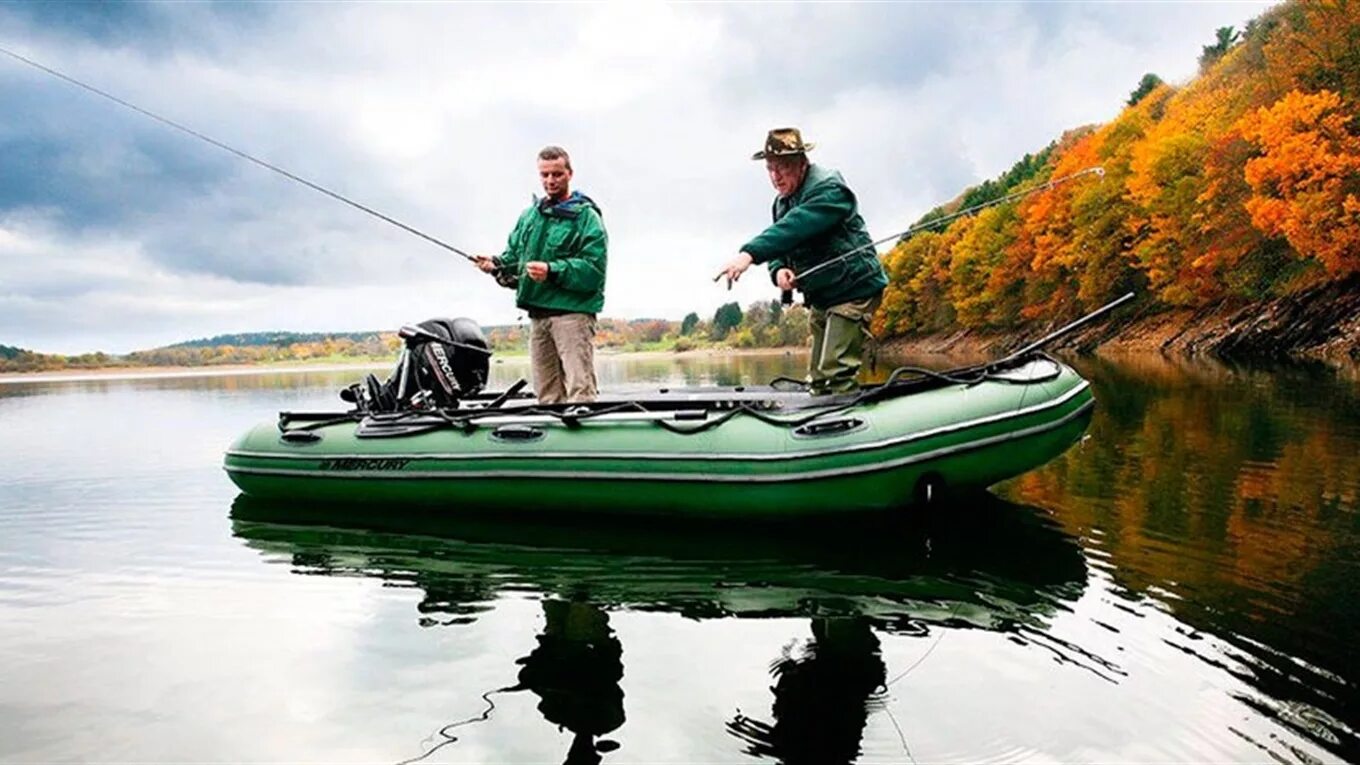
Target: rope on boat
787,422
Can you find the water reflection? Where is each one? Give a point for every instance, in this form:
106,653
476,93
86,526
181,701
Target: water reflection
575,672
1231,495
1209,615
991,565
822,697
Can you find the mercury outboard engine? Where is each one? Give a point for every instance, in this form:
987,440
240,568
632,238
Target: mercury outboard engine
444,360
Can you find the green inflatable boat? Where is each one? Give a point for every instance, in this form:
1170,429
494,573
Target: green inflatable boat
714,452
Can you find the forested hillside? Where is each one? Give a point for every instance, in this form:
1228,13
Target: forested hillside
248,339
1241,185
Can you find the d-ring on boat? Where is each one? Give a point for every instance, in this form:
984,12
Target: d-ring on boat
724,452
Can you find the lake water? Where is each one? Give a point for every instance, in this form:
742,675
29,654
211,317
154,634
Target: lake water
1182,586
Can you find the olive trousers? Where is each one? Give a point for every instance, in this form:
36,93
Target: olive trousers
838,335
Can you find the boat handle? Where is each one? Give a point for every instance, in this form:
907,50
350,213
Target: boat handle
828,427
300,436
517,433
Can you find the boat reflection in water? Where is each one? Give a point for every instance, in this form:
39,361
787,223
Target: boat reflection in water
986,564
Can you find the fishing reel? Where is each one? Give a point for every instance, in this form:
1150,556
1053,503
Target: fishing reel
506,278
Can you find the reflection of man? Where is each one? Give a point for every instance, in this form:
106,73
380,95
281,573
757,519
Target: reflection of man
816,221
821,698
575,670
558,252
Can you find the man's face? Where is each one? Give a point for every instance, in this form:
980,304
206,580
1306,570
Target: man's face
785,173
555,176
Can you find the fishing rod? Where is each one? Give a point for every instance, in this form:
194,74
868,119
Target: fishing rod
786,297
239,153
1059,332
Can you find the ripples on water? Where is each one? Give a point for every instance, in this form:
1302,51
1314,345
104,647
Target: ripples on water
1181,587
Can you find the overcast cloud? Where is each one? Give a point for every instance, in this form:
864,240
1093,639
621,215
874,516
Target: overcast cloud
117,233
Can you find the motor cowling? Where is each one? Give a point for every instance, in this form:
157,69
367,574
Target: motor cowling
443,360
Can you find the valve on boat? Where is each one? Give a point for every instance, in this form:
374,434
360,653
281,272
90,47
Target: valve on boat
930,488
443,360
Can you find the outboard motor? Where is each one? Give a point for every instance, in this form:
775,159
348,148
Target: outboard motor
444,360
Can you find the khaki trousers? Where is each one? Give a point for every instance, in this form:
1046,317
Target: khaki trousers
838,335
562,355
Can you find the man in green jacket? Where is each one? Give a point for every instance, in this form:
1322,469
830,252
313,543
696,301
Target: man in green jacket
556,257
816,223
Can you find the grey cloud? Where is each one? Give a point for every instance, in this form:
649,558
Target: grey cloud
297,245
95,172
94,168
805,55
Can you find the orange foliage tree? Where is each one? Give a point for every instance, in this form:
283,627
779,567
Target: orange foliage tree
1070,250
1306,182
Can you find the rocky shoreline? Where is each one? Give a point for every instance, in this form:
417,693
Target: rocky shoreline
1317,324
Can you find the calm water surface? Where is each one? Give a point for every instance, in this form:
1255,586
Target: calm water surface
1183,586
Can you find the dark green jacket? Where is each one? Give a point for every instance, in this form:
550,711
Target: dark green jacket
569,236
814,224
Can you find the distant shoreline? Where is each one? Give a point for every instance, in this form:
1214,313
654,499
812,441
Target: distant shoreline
144,373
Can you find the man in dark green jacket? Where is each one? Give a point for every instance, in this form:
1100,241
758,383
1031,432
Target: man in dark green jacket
819,245
556,258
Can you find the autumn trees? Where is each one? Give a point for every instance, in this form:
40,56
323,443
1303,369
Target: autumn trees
1244,183
1305,181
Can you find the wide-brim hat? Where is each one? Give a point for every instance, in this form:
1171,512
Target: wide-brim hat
783,142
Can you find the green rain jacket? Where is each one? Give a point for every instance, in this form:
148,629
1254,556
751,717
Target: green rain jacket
569,236
814,224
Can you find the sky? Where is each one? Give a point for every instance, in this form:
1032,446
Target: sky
118,233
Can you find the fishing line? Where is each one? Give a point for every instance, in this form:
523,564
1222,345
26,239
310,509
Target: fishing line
243,155
900,735
952,614
448,739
